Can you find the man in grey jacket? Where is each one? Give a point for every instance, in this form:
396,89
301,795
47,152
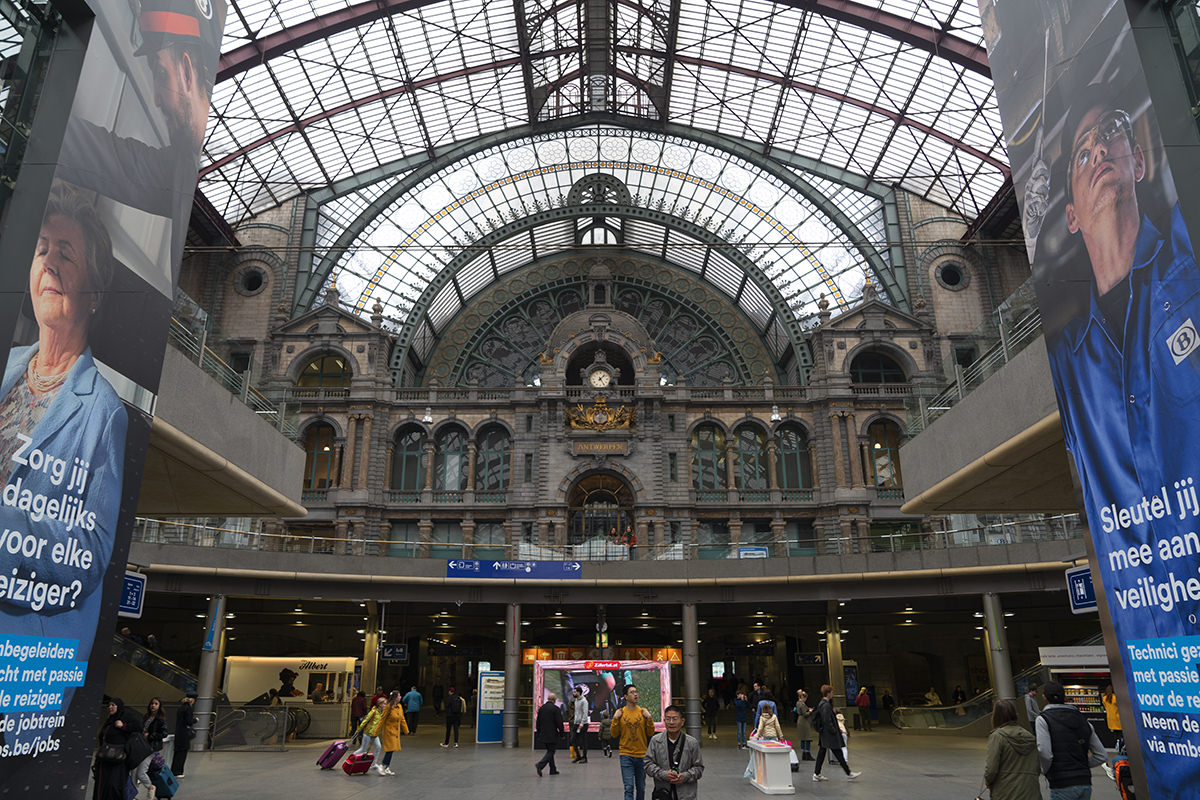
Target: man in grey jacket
579,726
673,758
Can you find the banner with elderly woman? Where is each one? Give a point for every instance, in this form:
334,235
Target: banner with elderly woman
79,381
1119,291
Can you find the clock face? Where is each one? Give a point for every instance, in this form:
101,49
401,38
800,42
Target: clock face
599,379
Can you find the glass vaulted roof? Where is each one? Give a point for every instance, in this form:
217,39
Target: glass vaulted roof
779,232
418,121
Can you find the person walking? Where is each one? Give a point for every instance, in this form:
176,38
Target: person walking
579,726
829,736
369,729
803,726
632,727
1108,698
455,708
1067,747
673,758
154,729
412,707
547,732
741,709
111,769
185,729
1011,770
710,706
863,702
394,726
359,708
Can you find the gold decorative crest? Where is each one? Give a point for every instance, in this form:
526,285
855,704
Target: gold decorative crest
600,417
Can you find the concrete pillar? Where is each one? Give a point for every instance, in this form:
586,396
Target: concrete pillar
364,453
997,643
210,668
833,653
512,670
691,670
370,658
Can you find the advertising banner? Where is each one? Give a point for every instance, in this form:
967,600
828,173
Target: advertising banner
602,684
1119,293
80,378
489,709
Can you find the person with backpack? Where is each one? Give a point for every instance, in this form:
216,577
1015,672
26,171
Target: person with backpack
1011,771
829,736
1068,746
455,708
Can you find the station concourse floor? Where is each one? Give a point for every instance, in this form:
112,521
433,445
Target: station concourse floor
893,765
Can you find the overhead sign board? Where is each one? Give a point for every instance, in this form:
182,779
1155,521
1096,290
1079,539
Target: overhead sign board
394,653
1080,590
133,592
514,570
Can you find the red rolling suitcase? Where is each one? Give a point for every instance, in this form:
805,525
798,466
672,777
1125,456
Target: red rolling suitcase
357,764
332,755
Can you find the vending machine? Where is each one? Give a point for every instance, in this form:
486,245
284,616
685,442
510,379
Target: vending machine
1083,671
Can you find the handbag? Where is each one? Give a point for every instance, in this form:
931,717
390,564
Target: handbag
110,753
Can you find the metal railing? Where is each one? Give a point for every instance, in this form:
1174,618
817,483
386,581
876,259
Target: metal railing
237,383
1007,532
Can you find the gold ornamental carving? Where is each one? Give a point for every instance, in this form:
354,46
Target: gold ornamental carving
599,417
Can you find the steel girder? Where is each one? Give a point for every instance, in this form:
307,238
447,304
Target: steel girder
891,278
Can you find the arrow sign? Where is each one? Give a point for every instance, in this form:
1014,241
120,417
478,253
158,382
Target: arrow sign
515,570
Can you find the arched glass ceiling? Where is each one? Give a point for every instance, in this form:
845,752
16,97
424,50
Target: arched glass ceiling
315,91
801,251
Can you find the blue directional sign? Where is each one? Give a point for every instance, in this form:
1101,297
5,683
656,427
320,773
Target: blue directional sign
515,570
394,653
132,594
1080,590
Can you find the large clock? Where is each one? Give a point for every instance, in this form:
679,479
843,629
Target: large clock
600,379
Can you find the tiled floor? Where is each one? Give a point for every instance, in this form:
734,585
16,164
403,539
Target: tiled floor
893,766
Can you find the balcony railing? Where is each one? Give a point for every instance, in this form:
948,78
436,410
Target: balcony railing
1017,531
1016,324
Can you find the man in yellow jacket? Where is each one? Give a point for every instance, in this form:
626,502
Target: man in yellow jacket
632,727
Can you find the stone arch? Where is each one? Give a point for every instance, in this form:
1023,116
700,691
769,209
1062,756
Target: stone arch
569,480
339,435
897,354
306,357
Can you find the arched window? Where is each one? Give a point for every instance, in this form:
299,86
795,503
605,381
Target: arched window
795,465
884,439
750,458
450,469
873,367
326,370
318,456
708,458
491,460
407,472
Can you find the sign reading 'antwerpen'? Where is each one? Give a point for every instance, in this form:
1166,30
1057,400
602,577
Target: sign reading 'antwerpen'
514,570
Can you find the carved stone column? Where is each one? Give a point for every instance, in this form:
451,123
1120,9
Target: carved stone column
335,476
735,535
364,453
839,466
472,448
430,455
387,466
351,457
772,467
779,537
468,536
856,470
730,472
424,533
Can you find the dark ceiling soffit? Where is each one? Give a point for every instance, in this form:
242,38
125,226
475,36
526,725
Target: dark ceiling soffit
937,42
738,148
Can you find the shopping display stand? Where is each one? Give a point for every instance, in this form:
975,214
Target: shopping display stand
772,767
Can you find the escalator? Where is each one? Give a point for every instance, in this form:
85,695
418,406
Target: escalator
974,717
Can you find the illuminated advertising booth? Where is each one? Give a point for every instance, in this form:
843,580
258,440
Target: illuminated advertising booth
603,683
